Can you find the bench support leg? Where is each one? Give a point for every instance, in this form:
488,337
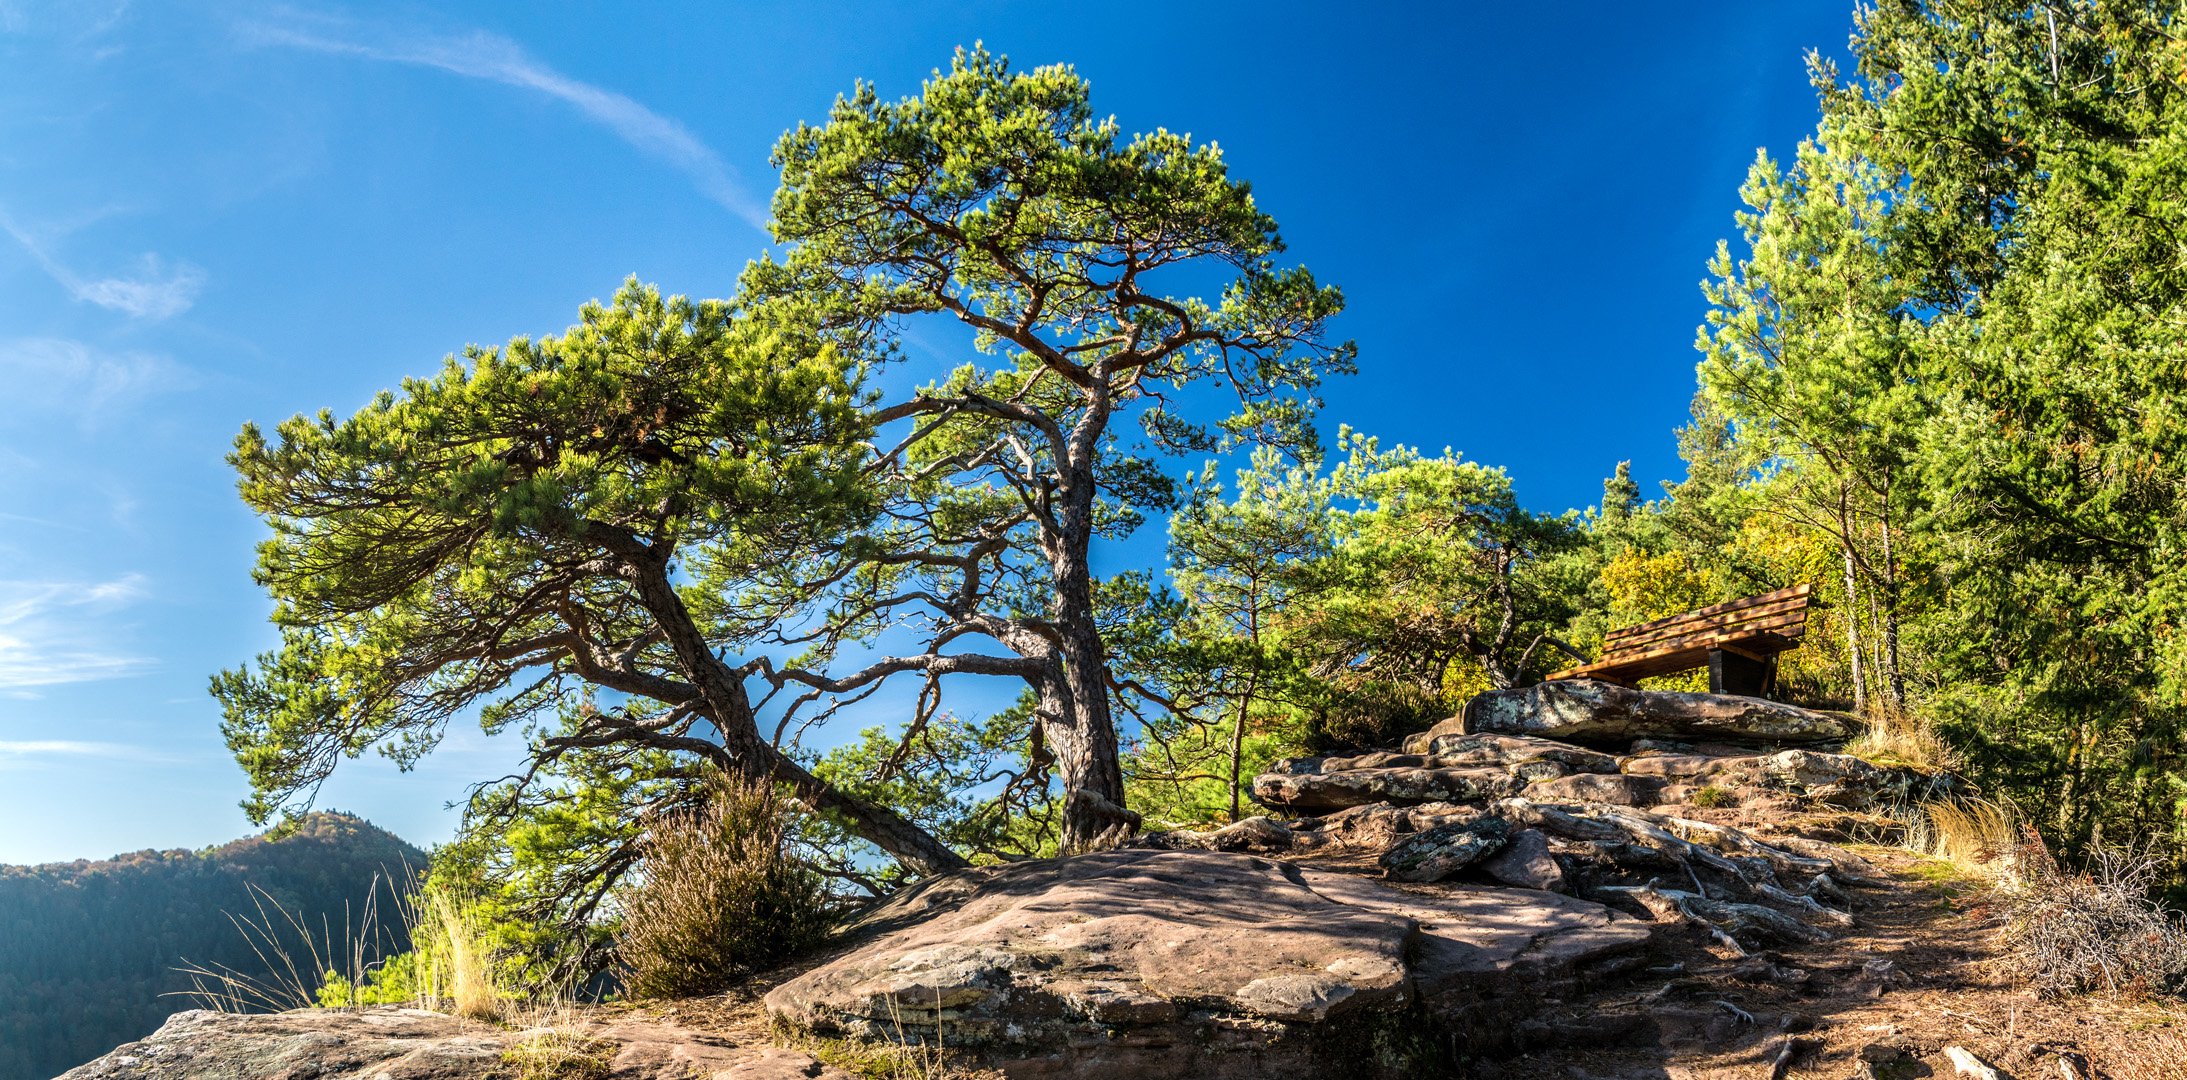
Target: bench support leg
1731,673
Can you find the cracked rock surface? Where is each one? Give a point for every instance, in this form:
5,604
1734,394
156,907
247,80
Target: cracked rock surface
389,1043
1236,963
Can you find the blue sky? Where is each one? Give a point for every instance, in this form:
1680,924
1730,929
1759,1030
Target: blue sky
216,213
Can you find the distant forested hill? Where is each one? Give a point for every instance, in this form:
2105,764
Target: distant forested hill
87,949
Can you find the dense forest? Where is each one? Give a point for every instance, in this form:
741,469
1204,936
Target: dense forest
1940,381
90,952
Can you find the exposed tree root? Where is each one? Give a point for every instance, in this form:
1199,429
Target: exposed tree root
1725,920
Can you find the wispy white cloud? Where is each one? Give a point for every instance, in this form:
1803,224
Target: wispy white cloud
50,633
158,289
21,753
482,55
60,375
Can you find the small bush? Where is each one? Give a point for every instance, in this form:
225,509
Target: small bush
2096,930
1370,715
719,897
1711,797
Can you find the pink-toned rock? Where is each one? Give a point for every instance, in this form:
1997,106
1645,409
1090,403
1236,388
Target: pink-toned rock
1525,862
1450,745
1183,963
1309,785
1614,789
391,1043
1590,710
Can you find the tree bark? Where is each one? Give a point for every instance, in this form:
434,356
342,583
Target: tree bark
1237,743
1252,686
729,706
1894,677
1852,636
1080,727
1075,711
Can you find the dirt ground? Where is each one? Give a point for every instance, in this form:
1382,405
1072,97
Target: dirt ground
1918,973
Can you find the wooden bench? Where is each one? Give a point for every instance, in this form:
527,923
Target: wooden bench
1738,640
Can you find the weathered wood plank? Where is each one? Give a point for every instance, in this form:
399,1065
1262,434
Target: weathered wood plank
1755,628
1738,618
1682,623
1791,626
1744,601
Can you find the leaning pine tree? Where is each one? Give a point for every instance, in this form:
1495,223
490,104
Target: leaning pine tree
515,535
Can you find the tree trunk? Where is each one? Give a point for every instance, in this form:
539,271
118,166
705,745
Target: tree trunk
1894,677
1082,736
730,708
1075,702
1237,742
1252,685
1852,636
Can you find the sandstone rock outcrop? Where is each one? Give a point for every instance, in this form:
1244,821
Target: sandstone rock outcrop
1663,797
1395,908
1526,861
1696,751
409,1044
1311,784
1587,709
1209,963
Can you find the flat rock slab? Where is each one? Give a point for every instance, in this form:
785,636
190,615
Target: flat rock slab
1124,937
1489,957
1071,966
1591,710
1311,785
1438,854
390,1043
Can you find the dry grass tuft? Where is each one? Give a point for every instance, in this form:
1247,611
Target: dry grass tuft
1977,837
721,897
296,960
2094,931
550,1053
1894,739
459,971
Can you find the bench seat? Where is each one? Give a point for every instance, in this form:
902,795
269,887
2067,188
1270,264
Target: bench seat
1738,641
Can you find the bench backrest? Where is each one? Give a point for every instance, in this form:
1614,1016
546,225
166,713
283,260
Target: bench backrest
1780,614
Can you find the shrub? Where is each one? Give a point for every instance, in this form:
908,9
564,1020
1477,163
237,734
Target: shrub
2096,930
719,897
1370,715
